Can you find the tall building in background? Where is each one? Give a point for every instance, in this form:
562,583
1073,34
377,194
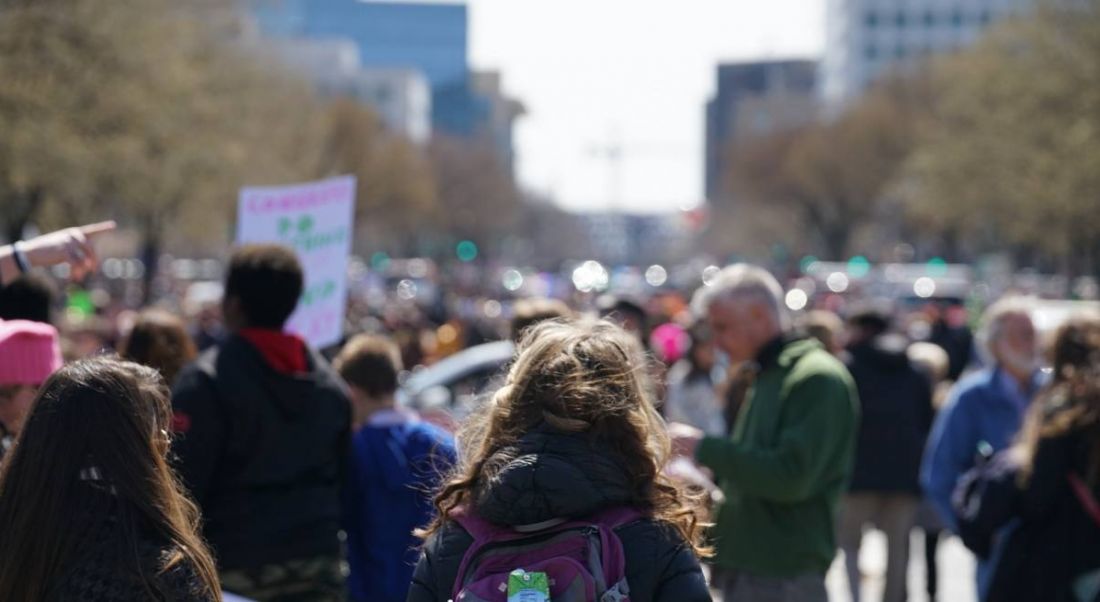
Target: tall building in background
755,99
428,38
401,97
866,38
502,112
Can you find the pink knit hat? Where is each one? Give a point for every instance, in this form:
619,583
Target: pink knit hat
29,352
670,342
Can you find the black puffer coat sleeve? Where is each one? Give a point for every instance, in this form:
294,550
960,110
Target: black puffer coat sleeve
437,569
660,567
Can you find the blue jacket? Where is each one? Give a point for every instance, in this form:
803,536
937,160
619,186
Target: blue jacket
988,406
982,408
397,462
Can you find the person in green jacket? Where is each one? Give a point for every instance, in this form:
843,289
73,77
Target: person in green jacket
786,465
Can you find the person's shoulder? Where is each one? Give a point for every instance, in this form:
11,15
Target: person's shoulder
977,379
678,372
430,433
434,446
648,530
649,540
181,580
658,558
416,438
445,549
226,359
820,366
101,574
199,371
972,388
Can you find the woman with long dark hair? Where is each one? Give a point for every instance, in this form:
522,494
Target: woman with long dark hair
89,506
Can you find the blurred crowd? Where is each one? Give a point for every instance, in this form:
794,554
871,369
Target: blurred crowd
195,447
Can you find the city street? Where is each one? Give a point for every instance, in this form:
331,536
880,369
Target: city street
956,566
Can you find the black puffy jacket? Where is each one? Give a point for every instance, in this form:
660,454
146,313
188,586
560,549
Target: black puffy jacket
118,556
262,452
1053,545
554,475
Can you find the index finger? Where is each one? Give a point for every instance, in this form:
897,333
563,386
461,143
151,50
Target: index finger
98,228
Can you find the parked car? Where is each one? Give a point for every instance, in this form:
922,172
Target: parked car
446,392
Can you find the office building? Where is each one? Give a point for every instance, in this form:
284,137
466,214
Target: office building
401,97
428,38
751,100
866,38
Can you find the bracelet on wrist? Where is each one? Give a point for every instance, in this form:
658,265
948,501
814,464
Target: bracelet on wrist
20,257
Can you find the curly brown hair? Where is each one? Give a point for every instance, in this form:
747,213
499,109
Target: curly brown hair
1072,400
581,376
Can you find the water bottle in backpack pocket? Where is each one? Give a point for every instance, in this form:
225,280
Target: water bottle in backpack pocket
582,560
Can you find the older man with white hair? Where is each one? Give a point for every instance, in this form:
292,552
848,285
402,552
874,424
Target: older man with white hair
788,461
985,410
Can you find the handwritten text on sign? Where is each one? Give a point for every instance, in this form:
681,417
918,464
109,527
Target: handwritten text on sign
316,220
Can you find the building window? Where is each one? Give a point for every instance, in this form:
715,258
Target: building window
984,17
957,18
870,52
871,19
901,18
929,19
900,51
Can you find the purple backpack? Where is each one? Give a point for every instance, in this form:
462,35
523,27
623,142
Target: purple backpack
583,558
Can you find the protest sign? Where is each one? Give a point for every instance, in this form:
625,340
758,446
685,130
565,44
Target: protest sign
316,220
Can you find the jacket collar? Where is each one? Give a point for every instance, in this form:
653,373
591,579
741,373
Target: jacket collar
286,353
768,356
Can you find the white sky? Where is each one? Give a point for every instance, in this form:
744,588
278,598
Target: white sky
635,72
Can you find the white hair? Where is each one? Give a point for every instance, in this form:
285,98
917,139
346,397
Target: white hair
743,281
993,320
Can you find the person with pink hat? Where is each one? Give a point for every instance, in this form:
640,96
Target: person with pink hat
29,353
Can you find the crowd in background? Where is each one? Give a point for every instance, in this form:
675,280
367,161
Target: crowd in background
316,479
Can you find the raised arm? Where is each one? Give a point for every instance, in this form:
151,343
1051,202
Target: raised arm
71,245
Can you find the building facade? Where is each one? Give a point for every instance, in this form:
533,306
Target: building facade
401,97
755,99
866,38
394,41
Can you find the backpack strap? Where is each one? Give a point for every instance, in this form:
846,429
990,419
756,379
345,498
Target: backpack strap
619,516
483,532
478,528
613,554
1085,497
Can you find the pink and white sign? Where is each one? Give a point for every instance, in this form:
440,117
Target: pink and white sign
316,219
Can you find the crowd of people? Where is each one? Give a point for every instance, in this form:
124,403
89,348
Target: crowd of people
727,449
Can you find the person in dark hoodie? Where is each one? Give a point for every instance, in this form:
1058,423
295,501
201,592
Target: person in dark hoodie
263,427
397,461
571,434
896,404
